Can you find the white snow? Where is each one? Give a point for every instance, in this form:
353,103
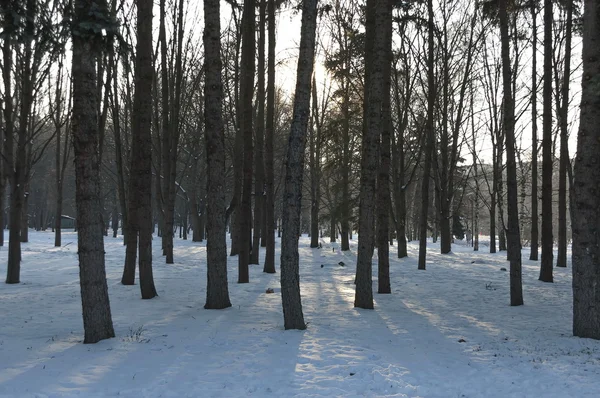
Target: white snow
444,332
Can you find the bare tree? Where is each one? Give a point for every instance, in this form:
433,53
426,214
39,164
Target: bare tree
512,232
217,293
292,199
246,95
430,138
547,238
97,321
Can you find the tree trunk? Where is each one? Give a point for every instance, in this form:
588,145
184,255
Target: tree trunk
292,199
246,94
547,238
586,212
512,232
430,140
375,63
140,198
561,260
259,178
533,256
217,291
269,232
383,179
97,321
315,169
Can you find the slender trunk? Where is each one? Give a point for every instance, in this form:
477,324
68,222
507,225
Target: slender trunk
121,183
292,205
430,140
383,181
534,141
561,260
512,232
259,179
547,238
269,233
315,168
246,94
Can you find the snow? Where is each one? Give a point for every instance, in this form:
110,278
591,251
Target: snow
444,332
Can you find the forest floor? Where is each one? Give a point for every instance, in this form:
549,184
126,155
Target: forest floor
445,332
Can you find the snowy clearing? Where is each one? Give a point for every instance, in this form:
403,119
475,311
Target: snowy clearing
444,332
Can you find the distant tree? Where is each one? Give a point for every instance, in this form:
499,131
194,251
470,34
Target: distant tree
586,212
90,18
458,229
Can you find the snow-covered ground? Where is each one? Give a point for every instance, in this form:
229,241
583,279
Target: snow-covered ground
444,332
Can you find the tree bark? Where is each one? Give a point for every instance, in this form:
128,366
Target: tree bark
246,94
140,197
561,260
315,168
259,178
217,291
375,59
586,212
533,256
430,140
269,232
97,321
547,238
512,232
383,179
292,199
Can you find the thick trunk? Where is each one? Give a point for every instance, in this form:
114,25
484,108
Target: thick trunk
586,211
375,63
97,319
292,199
140,198
547,237
512,232
217,293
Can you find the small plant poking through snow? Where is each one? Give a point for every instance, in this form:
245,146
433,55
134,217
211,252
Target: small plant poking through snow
135,335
